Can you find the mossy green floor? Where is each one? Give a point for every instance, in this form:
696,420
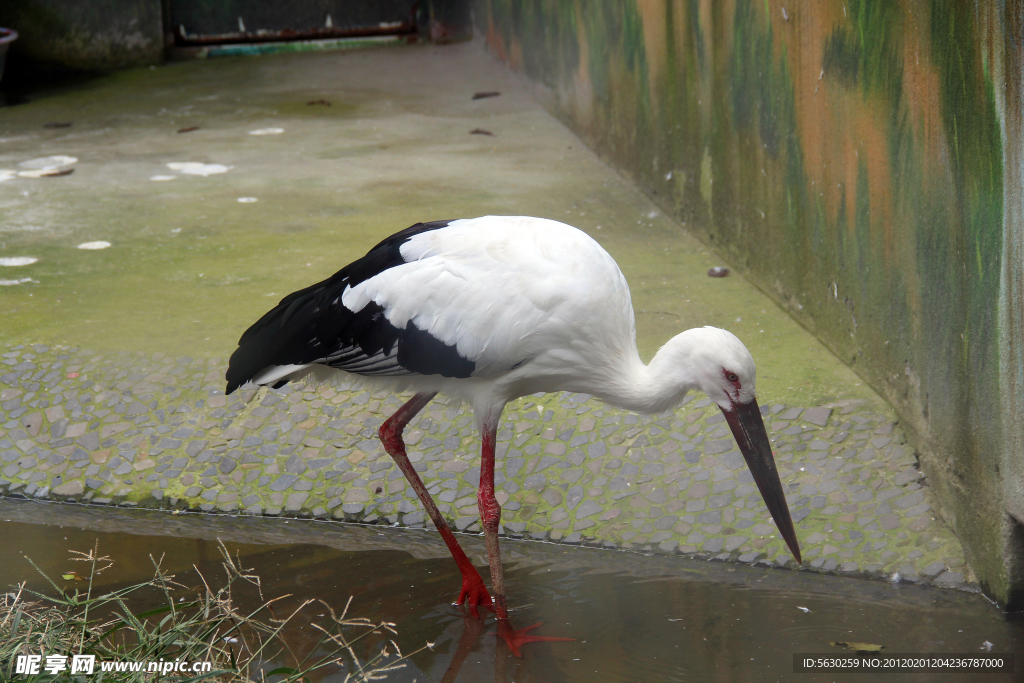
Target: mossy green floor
190,267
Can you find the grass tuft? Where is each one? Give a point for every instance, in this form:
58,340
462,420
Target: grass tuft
207,625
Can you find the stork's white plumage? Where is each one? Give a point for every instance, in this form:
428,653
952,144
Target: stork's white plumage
487,310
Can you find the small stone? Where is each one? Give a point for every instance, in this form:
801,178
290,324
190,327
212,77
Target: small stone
713,545
949,578
919,509
284,482
888,522
813,539
32,423
817,416
588,508
295,501
658,496
920,523
908,501
906,476
416,518
69,488
734,542
535,481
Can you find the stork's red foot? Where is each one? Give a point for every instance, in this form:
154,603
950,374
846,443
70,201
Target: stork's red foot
515,639
474,593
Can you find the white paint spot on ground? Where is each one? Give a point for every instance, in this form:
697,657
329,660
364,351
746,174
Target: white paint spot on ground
247,200
160,178
266,131
10,283
100,244
49,162
197,168
17,260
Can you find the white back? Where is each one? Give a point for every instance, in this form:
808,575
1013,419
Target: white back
503,289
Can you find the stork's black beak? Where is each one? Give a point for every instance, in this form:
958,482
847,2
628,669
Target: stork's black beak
752,438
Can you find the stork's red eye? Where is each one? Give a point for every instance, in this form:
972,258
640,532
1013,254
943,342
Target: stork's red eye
731,376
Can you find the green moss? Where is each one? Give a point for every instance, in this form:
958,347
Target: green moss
865,50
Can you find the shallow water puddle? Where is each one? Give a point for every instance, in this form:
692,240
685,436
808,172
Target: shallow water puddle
633,617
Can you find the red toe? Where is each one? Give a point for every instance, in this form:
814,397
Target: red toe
474,593
515,639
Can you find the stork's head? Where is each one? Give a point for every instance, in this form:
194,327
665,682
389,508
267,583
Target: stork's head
723,369
722,366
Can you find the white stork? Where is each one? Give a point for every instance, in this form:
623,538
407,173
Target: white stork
487,310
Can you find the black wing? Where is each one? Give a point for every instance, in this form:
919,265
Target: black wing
312,325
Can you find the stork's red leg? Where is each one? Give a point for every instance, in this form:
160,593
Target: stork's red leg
490,516
471,629
473,591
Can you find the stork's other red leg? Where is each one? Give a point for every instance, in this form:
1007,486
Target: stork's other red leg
490,516
473,591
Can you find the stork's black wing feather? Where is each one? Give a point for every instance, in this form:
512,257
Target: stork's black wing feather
312,325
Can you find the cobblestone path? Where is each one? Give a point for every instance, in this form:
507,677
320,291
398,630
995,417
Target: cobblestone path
156,431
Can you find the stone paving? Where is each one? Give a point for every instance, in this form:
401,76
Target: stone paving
156,431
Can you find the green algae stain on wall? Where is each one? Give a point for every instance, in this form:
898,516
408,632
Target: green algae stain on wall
763,108
966,317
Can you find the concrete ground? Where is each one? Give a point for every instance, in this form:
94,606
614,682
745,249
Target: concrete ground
114,357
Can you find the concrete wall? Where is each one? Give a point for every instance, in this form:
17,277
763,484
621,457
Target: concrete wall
103,34
96,34
858,160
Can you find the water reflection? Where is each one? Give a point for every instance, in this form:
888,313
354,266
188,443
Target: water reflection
634,618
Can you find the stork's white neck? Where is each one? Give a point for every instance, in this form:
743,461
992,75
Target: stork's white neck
656,387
